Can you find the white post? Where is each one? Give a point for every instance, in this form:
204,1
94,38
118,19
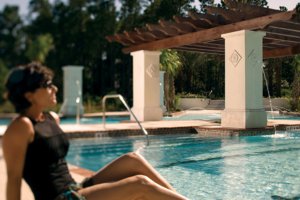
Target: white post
72,91
162,90
146,91
243,80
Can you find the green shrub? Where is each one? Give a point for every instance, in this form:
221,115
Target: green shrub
190,95
7,107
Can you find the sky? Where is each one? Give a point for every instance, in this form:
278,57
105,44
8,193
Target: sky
23,4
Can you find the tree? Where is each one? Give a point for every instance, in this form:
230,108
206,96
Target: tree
201,74
79,30
262,3
295,103
165,9
40,17
3,72
130,13
11,45
39,48
170,62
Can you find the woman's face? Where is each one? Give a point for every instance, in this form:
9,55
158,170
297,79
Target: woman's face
45,96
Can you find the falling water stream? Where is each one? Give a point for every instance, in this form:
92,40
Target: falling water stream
78,103
269,96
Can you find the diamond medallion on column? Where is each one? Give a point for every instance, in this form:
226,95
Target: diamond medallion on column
254,60
235,58
153,71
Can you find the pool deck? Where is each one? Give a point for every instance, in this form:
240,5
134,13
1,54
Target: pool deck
205,128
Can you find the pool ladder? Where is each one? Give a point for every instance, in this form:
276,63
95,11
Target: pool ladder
118,96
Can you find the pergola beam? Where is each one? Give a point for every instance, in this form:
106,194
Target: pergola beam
210,34
282,52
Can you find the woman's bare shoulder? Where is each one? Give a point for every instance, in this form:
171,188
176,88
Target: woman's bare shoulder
20,127
55,116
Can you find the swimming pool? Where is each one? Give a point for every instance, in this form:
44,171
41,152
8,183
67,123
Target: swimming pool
246,167
118,119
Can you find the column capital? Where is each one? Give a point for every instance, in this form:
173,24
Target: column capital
243,32
67,67
146,52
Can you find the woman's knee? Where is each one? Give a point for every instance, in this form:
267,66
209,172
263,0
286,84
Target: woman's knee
143,182
133,157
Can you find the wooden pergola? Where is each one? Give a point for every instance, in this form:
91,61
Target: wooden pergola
243,34
202,32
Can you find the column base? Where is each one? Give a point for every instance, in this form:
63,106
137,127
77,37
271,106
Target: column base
163,108
251,118
147,114
70,110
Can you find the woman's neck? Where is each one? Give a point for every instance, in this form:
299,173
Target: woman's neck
36,115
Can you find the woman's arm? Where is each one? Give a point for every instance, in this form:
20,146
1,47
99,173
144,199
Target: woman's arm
15,141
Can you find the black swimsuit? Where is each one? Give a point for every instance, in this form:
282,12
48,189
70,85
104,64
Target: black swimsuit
45,168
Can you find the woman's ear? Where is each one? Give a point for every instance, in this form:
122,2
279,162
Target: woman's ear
28,96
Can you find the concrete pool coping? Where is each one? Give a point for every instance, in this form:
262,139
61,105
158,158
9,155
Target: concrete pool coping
204,128
160,127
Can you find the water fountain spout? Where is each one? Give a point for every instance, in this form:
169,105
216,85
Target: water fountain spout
269,96
78,110
78,102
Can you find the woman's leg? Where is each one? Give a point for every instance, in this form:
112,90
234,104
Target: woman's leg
137,187
128,165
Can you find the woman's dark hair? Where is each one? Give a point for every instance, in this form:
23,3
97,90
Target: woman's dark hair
26,78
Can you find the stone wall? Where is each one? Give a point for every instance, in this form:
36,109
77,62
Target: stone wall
193,103
199,103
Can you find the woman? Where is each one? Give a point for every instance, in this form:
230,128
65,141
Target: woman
35,147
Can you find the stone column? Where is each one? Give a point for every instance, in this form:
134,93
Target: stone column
243,80
72,91
146,89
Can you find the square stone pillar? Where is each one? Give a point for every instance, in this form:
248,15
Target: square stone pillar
72,91
243,80
146,86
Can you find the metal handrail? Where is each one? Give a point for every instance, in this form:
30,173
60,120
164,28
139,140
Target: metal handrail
114,96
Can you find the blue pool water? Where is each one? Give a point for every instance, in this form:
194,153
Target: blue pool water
246,167
118,119
4,122
95,120
83,120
